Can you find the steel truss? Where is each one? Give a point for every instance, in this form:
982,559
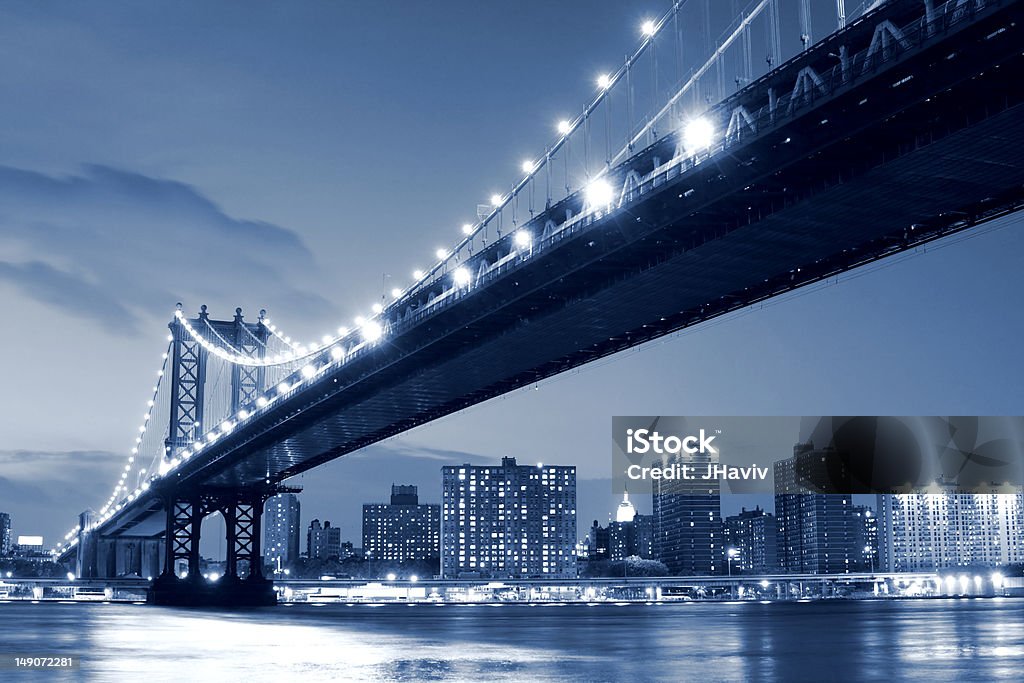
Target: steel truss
188,372
242,510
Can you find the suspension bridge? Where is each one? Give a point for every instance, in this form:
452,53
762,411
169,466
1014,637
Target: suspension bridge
684,190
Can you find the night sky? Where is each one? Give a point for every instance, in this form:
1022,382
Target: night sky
286,156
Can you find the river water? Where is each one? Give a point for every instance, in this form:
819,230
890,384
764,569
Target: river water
908,640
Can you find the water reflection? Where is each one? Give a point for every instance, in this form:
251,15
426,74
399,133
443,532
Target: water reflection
922,640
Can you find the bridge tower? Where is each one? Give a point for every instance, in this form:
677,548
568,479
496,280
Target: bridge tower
188,371
242,508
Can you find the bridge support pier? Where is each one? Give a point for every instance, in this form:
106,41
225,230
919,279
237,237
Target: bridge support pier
108,557
243,583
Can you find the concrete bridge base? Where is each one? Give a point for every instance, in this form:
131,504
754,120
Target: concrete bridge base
171,591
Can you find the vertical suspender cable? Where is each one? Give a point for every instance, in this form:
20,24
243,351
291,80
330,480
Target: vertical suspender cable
654,87
629,104
568,151
607,104
586,145
748,66
805,23
679,54
547,179
777,28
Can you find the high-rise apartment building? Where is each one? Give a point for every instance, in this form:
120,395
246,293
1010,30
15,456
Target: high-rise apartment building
751,535
5,534
688,521
402,530
508,520
323,541
946,528
865,539
281,529
631,534
815,530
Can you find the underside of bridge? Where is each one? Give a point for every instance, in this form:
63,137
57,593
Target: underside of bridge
925,144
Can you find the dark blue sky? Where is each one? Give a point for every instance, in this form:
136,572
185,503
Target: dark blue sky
286,155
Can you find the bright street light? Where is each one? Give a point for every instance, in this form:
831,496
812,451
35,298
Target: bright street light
496,199
698,134
467,228
564,127
603,81
441,254
372,331
461,276
599,193
528,166
648,28
522,238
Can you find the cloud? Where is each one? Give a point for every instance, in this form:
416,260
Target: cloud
47,285
44,491
118,247
33,467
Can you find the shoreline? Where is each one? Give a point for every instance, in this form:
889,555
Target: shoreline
533,603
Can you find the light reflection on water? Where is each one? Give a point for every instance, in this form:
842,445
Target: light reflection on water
925,640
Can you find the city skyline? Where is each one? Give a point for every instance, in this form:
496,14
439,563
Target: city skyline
942,528
602,505
805,532
771,436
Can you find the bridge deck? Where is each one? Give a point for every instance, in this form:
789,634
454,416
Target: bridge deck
865,173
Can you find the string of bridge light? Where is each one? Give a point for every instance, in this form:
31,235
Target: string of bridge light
143,428
371,330
598,192
109,507
698,134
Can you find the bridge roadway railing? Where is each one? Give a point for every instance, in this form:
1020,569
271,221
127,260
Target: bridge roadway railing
893,44
889,45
